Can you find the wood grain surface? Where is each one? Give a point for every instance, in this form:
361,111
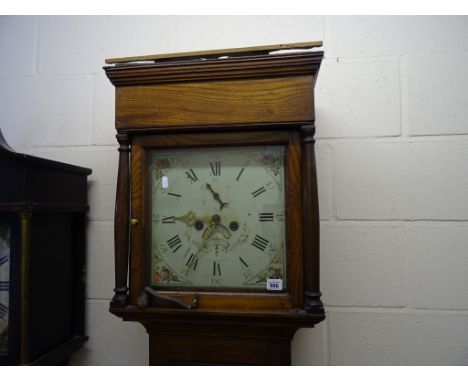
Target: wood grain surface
287,99
121,224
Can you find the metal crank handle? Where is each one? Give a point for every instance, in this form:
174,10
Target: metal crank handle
143,301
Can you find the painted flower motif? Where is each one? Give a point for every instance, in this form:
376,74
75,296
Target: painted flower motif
160,167
162,164
274,273
270,159
164,274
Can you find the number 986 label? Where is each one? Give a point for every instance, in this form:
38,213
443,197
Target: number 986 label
274,284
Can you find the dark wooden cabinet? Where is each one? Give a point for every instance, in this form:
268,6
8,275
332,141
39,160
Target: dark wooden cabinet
217,221
43,207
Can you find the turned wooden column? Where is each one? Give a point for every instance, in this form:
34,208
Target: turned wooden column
25,224
311,223
121,224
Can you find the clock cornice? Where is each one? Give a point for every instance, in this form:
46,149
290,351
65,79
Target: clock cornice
265,66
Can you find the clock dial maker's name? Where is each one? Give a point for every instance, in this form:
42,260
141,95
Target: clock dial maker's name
218,217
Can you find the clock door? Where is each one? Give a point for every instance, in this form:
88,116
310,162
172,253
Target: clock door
220,219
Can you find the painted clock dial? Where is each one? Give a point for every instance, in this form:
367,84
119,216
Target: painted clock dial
218,218
4,285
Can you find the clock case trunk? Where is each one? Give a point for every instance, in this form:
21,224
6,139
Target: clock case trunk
252,100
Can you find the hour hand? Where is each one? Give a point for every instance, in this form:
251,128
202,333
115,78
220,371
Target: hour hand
216,197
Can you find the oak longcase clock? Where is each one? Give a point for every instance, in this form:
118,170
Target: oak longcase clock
216,224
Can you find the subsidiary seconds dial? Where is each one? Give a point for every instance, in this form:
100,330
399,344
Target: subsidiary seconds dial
218,217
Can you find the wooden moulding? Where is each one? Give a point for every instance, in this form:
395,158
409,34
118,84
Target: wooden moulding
252,50
215,69
275,318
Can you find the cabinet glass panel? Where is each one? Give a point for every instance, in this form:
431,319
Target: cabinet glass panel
4,285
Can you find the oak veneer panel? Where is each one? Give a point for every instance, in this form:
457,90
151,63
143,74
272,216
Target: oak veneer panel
287,99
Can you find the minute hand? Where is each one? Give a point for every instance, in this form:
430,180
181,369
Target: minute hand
216,197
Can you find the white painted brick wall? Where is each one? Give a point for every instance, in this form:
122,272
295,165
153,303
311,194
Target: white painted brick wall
60,107
368,93
323,163
434,86
362,36
397,338
392,158
309,346
100,282
112,342
18,35
103,111
437,266
401,180
363,265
